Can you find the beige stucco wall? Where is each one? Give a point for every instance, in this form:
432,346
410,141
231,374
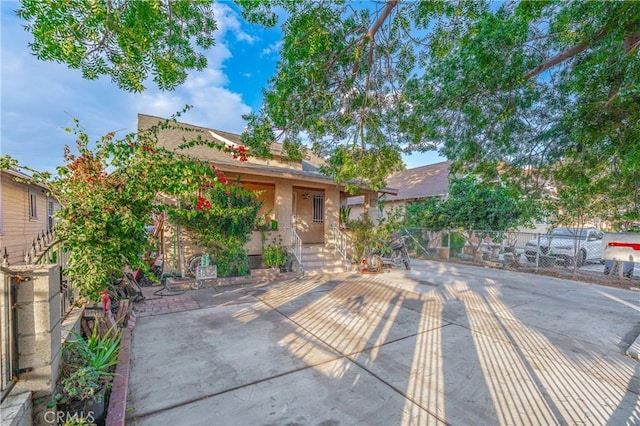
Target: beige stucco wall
280,207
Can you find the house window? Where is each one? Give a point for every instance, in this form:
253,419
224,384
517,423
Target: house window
318,209
33,205
50,211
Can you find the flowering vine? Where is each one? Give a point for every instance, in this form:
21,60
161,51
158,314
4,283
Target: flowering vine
108,194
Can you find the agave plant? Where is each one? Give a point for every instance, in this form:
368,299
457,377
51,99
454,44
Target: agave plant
97,352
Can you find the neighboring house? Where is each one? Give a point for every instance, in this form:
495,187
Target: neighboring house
295,194
26,211
413,185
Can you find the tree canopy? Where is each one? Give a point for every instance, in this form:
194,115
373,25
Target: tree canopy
500,88
544,86
472,205
126,40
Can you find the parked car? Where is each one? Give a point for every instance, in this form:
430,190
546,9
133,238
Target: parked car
581,244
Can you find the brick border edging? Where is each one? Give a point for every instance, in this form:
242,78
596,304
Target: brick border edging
116,412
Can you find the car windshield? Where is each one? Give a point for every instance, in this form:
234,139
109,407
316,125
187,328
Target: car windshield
569,232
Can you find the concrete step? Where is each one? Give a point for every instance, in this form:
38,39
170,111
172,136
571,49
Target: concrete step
318,259
323,271
319,264
315,249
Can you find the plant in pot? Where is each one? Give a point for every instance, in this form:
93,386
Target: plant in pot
276,255
345,212
86,373
83,393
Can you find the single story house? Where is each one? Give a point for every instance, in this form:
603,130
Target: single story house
414,185
304,202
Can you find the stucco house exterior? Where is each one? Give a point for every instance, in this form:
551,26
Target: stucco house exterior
413,185
304,202
26,211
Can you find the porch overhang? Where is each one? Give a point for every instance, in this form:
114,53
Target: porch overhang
308,176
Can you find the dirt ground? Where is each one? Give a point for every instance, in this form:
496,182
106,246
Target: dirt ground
585,276
592,277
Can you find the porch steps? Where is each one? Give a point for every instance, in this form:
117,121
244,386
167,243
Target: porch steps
318,259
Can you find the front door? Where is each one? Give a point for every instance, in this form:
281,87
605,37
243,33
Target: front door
309,215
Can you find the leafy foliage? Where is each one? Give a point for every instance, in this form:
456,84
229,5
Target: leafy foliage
97,352
516,89
88,363
365,234
276,254
475,207
102,222
220,220
472,205
232,263
126,40
82,384
512,89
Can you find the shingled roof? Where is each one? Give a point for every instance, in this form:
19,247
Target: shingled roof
172,138
421,182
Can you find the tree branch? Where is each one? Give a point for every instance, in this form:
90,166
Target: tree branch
106,33
373,30
631,42
383,17
563,56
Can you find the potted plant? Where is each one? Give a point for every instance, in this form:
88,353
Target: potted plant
86,373
83,394
276,255
345,212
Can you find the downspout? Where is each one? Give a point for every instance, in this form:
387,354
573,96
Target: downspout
1,211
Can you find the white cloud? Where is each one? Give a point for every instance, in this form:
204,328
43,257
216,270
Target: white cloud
273,48
214,106
227,21
220,109
39,99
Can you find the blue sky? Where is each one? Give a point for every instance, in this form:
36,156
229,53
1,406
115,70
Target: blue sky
39,99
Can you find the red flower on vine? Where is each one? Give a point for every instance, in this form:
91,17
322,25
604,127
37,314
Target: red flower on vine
221,177
239,152
203,204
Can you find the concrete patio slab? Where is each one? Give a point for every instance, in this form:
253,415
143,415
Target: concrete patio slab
595,314
188,355
439,343
331,394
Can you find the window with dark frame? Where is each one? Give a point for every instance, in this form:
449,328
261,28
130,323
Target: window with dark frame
33,205
318,209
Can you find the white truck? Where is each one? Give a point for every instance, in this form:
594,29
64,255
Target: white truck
620,251
568,244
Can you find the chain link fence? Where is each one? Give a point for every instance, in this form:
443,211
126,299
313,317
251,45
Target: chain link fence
580,250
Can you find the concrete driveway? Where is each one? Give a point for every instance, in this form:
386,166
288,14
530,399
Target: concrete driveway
440,344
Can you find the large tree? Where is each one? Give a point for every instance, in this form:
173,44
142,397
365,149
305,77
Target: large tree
126,40
497,87
475,208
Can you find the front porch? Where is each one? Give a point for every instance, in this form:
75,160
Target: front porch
302,215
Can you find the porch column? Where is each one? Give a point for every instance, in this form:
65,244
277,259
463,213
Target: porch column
284,207
332,211
371,205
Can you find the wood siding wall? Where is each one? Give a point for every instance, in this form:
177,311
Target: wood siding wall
18,229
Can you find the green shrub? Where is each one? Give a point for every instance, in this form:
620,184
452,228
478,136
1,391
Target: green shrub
232,263
276,254
457,243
